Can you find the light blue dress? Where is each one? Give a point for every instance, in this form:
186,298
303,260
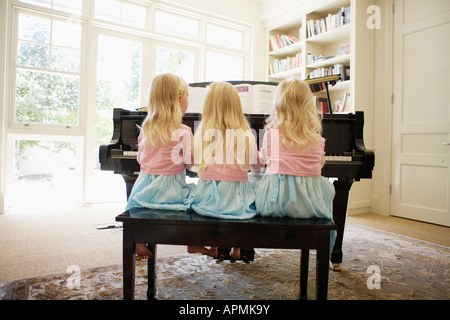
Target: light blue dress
224,199
168,192
281,195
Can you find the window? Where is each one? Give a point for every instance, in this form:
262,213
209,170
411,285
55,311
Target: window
63,89
177,25
224,67
69,6
225,37
45,172
47,70
119,73
180,62
117,11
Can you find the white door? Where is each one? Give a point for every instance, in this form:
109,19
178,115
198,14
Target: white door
421,114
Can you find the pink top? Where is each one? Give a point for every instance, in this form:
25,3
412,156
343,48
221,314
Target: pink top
290,161
230,172
170,159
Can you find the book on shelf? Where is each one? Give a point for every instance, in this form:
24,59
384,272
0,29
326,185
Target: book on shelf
344,71
316,87
343,105
255,98
282,65
321,104
315,27
280,41
344,48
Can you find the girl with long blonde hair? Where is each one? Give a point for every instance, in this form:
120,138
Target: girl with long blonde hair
164,151
294,151
224,151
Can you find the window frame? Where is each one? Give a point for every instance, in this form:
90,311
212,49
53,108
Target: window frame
62,129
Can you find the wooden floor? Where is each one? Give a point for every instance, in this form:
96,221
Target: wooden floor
414,229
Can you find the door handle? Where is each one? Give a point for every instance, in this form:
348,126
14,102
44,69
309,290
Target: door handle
446,143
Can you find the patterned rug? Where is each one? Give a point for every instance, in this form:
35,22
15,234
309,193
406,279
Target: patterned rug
377,266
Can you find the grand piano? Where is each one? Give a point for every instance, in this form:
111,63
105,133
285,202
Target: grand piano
347,159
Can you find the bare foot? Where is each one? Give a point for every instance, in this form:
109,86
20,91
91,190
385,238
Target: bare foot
142,251
235,253
203,250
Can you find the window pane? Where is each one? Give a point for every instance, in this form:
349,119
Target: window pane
70,6
32,54
35,29
46,98
119,69
45,173
66,60
134,15
225,37
66,34
177,25
223,67
126,13
175,61
42,3
108,10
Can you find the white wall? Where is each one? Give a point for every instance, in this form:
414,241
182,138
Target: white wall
3,30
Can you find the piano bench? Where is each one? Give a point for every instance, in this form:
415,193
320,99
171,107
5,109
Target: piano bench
180,228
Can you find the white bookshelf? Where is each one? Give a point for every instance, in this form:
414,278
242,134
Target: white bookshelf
338,34
339,59
353,34
287,51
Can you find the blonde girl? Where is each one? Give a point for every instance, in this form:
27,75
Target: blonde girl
293,150
164,151
224,151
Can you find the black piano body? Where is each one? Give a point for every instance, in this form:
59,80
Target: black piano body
347,159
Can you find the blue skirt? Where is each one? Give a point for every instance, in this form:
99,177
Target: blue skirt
224,199
168,192
280,195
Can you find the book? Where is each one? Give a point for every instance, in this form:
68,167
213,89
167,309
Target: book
279,41
282,65
321,104
329,23
196,99
255,98
343,106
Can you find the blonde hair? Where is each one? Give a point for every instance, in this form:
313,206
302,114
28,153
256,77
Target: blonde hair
295,115
222,122
163,109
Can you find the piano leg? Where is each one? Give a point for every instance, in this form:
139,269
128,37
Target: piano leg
129,182
342,188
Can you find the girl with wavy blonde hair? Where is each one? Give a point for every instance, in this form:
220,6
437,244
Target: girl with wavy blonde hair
167,104
164,151
294,151
224,151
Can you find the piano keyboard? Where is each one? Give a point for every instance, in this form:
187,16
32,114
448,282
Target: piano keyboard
133,154
339,158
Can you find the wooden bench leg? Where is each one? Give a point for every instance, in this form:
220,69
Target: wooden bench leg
304,265
322,265
151,290
128,256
